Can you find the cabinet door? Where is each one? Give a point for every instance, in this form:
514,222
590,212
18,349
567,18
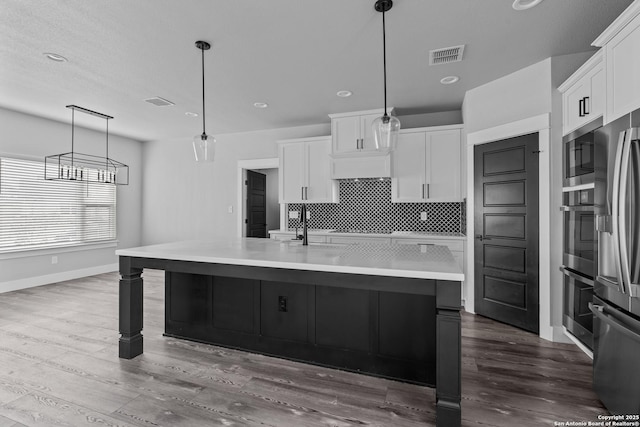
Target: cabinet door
623,71
292,172
366,131
584,101
407,184
596,101
320,186
443,166
345,133
572,106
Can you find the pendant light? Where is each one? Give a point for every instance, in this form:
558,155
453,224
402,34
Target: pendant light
203,144
385,128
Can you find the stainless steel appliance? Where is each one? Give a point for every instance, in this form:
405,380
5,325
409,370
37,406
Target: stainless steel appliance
579,230
616,305
580,239
578,155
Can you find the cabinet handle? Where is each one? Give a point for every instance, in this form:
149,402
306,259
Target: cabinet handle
585,103
423,191
428,196
581,107
301,193
306,193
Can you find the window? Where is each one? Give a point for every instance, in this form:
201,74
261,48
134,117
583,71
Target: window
36,213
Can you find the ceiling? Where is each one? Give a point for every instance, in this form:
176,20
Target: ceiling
292,54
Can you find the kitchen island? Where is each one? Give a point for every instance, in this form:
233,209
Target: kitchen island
384,310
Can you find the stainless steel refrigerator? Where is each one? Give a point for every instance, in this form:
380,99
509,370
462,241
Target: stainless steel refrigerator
616,301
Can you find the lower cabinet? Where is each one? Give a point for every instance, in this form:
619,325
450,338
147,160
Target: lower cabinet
380,333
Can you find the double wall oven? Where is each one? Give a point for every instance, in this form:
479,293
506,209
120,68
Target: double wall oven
580,238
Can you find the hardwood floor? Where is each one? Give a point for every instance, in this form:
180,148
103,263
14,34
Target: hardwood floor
59,366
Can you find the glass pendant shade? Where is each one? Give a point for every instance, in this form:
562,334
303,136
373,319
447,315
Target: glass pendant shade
385,130
204,147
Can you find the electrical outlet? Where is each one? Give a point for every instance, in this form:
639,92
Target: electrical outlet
54,259
282,304
294,214
423,216
308,215
230,209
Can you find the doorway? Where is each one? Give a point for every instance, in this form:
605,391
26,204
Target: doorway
506,223
256,203
273,210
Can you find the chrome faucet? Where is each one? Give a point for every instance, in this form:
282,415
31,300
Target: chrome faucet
303,214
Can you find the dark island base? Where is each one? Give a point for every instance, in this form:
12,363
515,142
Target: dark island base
384,334
320,309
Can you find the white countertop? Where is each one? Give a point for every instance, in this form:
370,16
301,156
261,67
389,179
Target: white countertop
412,261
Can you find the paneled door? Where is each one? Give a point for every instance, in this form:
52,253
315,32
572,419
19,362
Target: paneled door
506,227
256,204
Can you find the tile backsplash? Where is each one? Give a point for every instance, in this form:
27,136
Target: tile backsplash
365,205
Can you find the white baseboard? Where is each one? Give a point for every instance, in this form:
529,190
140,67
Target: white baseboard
47,279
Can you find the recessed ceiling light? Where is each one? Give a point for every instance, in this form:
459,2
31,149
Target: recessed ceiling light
344,93
260,104
525,4
449,80
55,57
191,114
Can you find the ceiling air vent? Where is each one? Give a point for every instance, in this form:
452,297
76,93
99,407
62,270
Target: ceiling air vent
159,102
446,55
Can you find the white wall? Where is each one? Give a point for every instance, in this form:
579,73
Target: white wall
30,137
517,104
183,199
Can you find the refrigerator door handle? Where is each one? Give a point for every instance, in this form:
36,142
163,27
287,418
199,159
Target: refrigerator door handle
600,313
622,212
615,211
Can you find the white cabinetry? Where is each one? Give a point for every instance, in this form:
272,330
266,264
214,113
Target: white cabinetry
427,165
583,94
305,171
621,44
352,132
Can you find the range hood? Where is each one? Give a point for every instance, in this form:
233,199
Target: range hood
374,164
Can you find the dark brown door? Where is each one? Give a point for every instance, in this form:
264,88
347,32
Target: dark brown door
256,204
506,227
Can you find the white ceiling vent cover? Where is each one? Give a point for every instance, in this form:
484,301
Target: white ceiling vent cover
446,55
159,102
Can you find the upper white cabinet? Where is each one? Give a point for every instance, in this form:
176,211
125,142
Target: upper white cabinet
583,94
305,171
352,132
427,165
621,45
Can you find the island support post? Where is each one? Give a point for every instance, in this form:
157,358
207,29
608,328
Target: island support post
448,354
130,307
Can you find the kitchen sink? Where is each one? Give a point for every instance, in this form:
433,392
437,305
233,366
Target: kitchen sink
321,244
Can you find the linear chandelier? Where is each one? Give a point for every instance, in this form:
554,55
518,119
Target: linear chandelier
75,166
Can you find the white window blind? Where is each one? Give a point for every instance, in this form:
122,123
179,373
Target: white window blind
36,213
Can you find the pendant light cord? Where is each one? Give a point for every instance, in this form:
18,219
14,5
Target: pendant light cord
384,62
204,132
